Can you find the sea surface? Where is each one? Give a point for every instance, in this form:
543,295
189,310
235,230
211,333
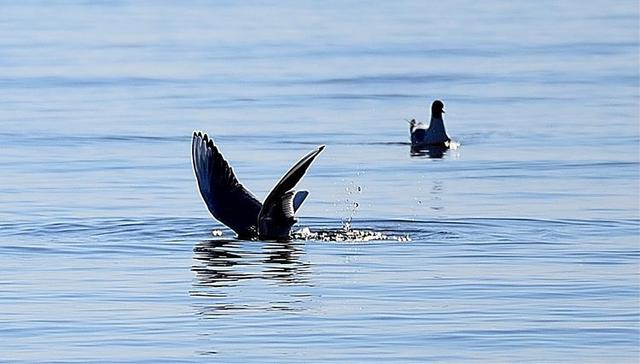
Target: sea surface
522,245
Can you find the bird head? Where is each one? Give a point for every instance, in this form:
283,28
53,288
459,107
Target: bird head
437,109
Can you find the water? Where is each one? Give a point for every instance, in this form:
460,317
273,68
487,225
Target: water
522,246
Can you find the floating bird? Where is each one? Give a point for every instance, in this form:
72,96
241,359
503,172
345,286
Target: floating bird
235,206
435,134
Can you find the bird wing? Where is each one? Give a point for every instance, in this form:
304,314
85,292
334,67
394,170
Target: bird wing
277,214
226,198
418,136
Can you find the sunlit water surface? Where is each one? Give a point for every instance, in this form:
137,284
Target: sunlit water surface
521,245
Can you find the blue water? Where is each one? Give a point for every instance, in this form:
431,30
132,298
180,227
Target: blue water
524,243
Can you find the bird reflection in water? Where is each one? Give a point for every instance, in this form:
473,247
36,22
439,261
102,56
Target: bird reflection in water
431,151
275,271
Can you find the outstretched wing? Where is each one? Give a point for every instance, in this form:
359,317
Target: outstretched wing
227,199
277,214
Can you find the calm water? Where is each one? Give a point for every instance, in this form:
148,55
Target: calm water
524,243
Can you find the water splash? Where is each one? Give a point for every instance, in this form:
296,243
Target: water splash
452,144
346,234
353,189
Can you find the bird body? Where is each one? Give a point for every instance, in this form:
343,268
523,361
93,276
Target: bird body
433,135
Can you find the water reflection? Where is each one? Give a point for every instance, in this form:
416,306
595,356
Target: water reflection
436,195
221,263
434,152
275,271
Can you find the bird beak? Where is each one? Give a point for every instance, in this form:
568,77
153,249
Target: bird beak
443,111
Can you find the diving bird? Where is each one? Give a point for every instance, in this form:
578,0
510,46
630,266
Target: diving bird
435,134
235,206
